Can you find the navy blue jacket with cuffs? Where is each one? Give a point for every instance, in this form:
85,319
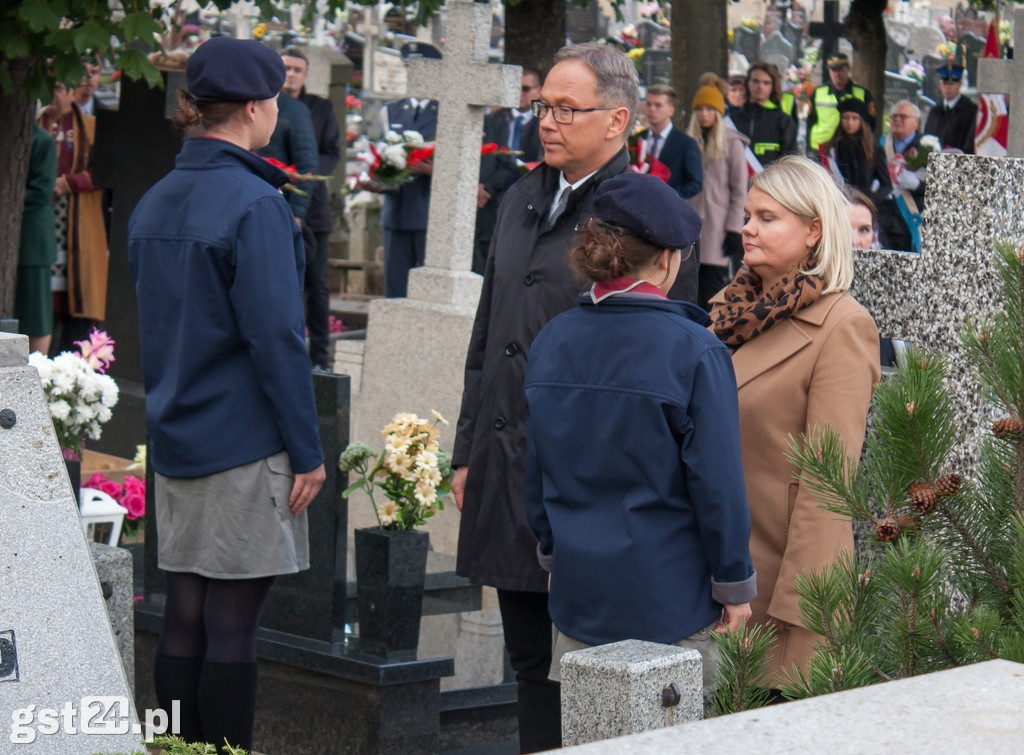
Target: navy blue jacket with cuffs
217,260
634,484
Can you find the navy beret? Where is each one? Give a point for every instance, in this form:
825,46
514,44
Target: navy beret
224,69
647,207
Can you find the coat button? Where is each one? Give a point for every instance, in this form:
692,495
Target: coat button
499,423
511,350
529,207
528,279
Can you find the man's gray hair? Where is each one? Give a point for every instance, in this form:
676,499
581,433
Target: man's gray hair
617,82
914,109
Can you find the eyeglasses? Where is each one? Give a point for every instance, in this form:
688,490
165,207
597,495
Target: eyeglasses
561,113
529,87
902,116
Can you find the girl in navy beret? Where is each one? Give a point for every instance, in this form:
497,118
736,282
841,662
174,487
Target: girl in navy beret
634,486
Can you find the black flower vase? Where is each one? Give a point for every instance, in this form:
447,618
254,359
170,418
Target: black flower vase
74,467
391,568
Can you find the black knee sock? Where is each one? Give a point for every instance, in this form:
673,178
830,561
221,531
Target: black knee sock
177,679
227,701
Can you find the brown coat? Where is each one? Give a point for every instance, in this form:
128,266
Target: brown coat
813,369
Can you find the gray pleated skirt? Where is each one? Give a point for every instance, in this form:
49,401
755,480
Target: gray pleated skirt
234,524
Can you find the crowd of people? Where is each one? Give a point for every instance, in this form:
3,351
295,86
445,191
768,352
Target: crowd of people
620,454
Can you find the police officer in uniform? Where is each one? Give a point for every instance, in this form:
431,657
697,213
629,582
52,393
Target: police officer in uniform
772,132
824,117
955,119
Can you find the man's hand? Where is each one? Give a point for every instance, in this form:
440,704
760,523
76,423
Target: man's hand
482,197
459,485
422,168
305,488
731,617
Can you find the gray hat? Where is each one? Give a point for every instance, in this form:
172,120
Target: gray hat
224,69
648,208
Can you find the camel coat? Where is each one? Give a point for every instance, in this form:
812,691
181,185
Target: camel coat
816,368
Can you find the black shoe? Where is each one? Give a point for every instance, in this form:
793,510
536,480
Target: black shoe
319,368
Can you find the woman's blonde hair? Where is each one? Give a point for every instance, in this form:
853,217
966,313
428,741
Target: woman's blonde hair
712,145
808,191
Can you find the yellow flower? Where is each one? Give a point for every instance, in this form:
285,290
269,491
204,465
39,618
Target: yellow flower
388,513
398,463
259,30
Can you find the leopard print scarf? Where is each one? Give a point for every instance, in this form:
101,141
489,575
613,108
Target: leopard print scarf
749,311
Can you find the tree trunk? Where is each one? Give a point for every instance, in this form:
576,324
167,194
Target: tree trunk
16,126
534,32
865,29
699,44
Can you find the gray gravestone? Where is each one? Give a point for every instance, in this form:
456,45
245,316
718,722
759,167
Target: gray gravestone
748,42
795,34
57,650
894,53
924,40
658,68
969,709
777,46
1006,76
932,64
617,689
971,202
899,88
970,49
584,24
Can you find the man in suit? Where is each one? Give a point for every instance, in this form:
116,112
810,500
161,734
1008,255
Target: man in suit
899,219
515,129
85,93
955,119
677,150
318,216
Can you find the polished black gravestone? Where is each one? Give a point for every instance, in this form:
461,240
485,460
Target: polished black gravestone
318,691
135,147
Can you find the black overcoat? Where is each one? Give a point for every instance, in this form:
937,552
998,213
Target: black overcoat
526,283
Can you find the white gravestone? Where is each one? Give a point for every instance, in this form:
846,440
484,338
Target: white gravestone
415,350
62,687
1007,77
971,202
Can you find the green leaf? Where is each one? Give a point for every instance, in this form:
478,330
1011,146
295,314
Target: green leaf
91,36
37,87
141,26
135,65
351,488
14,46
39,15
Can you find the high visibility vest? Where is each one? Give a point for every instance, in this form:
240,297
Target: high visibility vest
787,103
826,111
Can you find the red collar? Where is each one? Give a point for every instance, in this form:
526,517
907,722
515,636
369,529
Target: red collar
603,289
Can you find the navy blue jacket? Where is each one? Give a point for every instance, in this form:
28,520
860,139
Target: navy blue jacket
408,207
634,483
681,155
217,261
294,143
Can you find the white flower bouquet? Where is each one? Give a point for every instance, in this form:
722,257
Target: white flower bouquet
81,398
414,473
387,165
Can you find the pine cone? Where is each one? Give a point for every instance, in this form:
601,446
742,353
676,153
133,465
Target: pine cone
887,529
922,497
947,485
1007,427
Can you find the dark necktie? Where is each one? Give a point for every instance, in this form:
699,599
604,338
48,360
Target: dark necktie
517,133
559,207
416,112
655,138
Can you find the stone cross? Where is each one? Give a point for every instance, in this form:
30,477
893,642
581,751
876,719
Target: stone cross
829,31
463,83
926,298
1007,76
370,30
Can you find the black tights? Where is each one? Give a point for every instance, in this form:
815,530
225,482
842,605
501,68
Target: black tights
206,656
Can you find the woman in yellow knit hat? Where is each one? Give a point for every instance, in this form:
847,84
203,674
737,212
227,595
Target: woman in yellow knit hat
720,202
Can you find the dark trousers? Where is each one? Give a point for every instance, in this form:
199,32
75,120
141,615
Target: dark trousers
403,250
527,627
318,299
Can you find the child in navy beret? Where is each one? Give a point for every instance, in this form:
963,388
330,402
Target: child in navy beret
634,485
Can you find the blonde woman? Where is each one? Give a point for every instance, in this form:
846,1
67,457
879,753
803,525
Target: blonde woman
806,357
720,202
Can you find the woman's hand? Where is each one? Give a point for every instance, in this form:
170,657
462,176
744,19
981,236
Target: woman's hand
732,616
305,488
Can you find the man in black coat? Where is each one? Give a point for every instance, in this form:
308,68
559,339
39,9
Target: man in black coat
318,216
900,217
954,120
584,121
